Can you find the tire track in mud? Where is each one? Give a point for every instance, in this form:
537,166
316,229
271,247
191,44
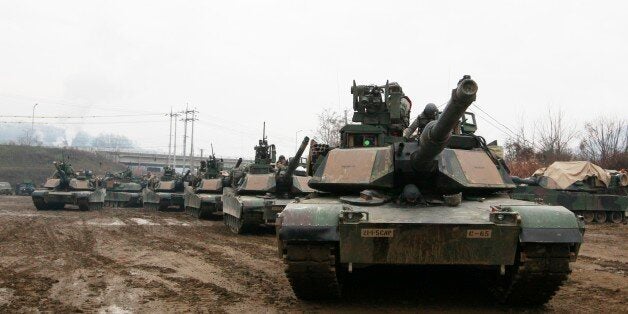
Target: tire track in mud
239,264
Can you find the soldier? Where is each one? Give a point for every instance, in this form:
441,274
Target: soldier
281,164
429,114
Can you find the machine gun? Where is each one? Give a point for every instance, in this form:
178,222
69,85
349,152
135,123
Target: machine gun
382,113
265,154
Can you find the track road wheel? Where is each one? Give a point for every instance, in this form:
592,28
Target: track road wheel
617,217
312,272
600,217
538,273
588,216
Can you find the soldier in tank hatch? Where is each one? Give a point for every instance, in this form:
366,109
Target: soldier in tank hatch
429,114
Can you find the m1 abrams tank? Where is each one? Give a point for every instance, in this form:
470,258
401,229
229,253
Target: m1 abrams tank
258,195
203,197
167,192
66,187
123,189
581,186
435,200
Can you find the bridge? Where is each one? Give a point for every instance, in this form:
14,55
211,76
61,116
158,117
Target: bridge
141,162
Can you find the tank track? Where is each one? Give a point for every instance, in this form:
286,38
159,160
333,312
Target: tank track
537,275
239,225
85,204
311,270
39,203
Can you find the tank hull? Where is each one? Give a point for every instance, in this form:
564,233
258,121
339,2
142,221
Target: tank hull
594,207
246,213
333,238
85,200
163,200
123,198
203,205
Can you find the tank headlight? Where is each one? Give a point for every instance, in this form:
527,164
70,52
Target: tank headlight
353,216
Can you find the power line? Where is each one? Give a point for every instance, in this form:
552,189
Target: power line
83,117
64,123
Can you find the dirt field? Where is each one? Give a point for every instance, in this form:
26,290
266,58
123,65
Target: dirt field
130,260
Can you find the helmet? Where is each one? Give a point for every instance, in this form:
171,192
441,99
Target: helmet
430,111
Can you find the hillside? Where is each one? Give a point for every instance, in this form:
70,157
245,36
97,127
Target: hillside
18,163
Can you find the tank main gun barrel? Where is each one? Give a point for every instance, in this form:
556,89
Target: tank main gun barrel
436,134
294,163
185,176
238,163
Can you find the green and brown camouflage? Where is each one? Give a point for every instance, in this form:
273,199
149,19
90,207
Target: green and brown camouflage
67,187
123,189
594,202
203,197
168,192
262,192
436,200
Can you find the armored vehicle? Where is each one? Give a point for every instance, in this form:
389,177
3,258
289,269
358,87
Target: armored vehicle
25,188
167,192
123,189
262,192
67,187
203,197
438,199
582,187
5,188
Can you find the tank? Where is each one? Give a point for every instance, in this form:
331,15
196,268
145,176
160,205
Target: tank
203,197
25,188
67,187
580,186
259,193
123,189
167,192
437,200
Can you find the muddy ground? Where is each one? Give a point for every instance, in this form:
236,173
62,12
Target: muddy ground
134,260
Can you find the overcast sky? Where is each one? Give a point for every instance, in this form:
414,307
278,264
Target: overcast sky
244,62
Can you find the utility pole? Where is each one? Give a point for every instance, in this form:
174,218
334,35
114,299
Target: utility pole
174,155
192,139
32,126
170,135
185,134
189,116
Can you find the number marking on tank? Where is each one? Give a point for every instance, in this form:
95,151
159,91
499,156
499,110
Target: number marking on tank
479,234
377,233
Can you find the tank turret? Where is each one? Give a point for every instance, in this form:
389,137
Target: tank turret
441,160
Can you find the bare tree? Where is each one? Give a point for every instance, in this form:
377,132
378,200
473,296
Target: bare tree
520,153
329,124
555,137
605,142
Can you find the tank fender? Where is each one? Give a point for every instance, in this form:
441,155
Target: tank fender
549,224
310,222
